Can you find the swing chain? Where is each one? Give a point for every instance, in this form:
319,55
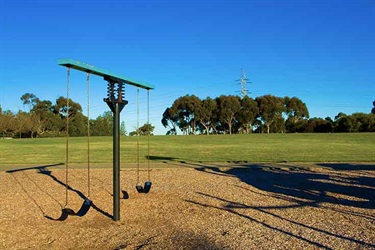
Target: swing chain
67,136
137,135
88,134
148,134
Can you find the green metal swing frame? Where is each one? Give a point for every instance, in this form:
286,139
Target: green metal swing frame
116,104
106,74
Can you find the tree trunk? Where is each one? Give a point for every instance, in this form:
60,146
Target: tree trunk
229,122
206,127
214,129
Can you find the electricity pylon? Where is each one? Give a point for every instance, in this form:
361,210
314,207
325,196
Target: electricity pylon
243,81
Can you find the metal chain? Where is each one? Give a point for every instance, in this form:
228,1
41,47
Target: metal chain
88,134
148,134
67,136
137,135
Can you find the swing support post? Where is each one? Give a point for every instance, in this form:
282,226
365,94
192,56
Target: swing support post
116,162
116,102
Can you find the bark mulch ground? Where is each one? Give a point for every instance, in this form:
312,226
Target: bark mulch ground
194,206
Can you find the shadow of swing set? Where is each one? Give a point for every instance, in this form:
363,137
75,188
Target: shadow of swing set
116,102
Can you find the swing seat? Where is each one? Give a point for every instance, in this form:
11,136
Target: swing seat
81,212
147,187
64,215
68,211
84,208
139,188
125,194
144,189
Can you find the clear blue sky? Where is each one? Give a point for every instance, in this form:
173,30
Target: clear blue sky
322,51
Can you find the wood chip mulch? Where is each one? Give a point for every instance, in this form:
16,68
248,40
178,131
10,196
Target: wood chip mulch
194,206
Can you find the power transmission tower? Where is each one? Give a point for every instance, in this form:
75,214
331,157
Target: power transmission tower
243,81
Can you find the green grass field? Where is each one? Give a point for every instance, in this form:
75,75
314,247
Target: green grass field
355,147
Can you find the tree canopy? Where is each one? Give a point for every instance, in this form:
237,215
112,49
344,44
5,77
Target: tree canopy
226,114
48,119
264,114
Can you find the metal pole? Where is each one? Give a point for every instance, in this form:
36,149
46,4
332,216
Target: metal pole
116,163
116,104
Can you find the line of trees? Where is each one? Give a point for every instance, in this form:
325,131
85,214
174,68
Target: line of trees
230,114
47,119
222,115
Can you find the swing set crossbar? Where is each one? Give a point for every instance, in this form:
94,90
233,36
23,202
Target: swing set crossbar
81,66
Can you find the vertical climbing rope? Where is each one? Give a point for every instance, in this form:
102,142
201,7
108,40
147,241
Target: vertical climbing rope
67,136
88,134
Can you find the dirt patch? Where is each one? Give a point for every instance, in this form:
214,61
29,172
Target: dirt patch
194,207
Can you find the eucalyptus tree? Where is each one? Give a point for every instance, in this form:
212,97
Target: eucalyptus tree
35,123
185,108
7,122
229,107
247,114
295,109
29,99
145,129
319,125
343,123
61,107
206,114
23,123
297,113
363,122
170,119
102,125
271,109
49,122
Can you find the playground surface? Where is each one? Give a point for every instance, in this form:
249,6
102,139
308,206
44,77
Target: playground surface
194,206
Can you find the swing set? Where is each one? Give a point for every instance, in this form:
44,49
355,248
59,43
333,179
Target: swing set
116,102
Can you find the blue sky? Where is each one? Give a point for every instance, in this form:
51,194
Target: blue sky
322,51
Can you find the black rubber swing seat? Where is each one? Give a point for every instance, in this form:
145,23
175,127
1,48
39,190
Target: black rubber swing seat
144,189
82,211
64,215
125,194
139,188
147,187
84,208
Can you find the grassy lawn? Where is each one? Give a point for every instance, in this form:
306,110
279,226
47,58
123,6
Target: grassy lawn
356,147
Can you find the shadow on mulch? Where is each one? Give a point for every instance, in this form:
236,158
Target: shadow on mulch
298,184
301,183
65,212
186,240
347,166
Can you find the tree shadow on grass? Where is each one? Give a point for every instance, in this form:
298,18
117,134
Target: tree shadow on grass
47,172
303,188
